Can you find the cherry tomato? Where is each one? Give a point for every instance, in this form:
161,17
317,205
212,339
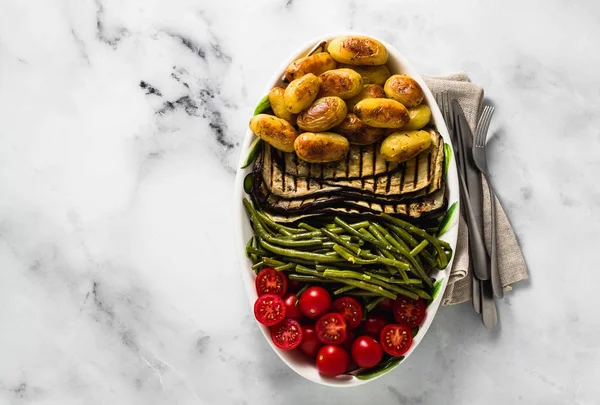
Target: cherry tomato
287,335
310,344
314,302
366,351
396,339
408,311
350,336
291,310
373,324
331,329
350,309
387,305
269,309
271,281
332,360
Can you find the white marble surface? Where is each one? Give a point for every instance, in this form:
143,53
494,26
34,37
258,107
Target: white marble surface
120,123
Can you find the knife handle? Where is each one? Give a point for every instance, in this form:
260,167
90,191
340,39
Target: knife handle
478,252
495,276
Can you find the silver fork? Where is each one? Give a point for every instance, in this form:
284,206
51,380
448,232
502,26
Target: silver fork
481,161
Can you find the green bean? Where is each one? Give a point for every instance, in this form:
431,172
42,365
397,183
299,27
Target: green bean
343,289
288,266
373,303
407,237
416,266
257,265
256,251
248,246
345,265
418,248
351,258
353,231
306,226
269,261
337,239
419,292
307,278
264,234
364,294
367,287
444,244
347,274
306,235
411,228
300,292
305,270
309,256
265,218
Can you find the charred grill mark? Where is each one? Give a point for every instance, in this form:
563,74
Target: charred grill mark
416,176
283,175
347,165
374,167
429,171
296,176
389,177
360,167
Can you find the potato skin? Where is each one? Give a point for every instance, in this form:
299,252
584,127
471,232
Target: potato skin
358,50
275,131
325,113
404,89
368,91
381,113
343,83
371,74
419,117
278,106
321,147
357,132
315,64
402,146
300,93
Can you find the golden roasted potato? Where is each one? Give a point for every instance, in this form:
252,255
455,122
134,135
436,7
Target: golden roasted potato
325,113
404,89
343,83
315,64
371,74
357,132
419,117
276,131
278,106
401,146
357,50
368,91
300,93
381,113
321,147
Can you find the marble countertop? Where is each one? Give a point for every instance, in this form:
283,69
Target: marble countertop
120,126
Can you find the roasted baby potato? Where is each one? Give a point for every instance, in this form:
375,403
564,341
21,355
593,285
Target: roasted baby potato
301,92
343,83
325,113
371,74
315,64
278,106
381,113
404,89
275,131
357,132
419,117
321,147
368,91
357,50
401,146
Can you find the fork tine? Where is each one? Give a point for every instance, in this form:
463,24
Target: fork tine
483,125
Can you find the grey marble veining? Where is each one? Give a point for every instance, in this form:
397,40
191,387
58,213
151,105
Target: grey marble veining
120,129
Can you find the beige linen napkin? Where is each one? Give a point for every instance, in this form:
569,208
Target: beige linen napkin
511,263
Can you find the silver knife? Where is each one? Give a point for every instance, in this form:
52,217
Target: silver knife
473,179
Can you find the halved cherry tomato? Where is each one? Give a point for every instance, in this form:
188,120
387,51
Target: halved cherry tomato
271,281
332,360
366,351
310,344
269,309
408,311
331,329
373,325
291,310
287,335
314,302
396,339
387,305
350,309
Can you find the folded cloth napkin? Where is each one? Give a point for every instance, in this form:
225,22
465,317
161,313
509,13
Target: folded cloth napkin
511,263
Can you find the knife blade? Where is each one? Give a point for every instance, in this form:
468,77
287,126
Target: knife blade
481,265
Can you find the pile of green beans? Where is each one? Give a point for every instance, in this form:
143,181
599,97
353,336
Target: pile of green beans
372,260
